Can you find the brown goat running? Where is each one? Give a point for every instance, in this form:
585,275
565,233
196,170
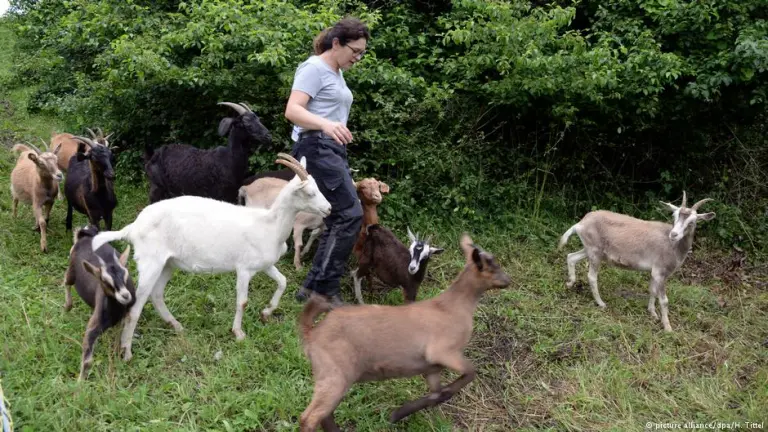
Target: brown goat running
35,181
369,191
370,343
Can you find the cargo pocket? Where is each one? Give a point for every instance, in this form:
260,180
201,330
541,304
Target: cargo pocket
332,178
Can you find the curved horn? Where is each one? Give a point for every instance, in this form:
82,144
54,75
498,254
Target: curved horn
292,163
45,144
101,133
684,200
33,147
289,158
698,204
90,143
240,110
93,135
245,105
294,168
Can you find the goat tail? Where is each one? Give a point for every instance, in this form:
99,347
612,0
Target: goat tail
21,148
566,236
108,236
316,305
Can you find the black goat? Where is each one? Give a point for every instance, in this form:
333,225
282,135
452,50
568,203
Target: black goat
394,264
180,169
89,185
102,280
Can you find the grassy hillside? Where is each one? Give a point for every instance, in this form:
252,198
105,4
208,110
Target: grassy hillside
547,357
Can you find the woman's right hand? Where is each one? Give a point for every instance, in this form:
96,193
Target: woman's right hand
338,132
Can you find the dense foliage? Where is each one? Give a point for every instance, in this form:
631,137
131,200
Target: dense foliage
477,107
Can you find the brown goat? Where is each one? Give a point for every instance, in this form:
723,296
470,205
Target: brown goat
35,181
371,343
369,191
69,145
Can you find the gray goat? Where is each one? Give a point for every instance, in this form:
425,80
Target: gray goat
102,280
636,244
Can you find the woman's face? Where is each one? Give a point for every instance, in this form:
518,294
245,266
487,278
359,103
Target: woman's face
349,54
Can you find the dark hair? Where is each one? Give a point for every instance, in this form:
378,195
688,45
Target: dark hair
348,29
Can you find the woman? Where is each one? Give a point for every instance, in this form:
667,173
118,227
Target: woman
319,107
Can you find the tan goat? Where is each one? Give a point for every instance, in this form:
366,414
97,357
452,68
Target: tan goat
369,191
69,145
263,192
636,244
371,343
35,181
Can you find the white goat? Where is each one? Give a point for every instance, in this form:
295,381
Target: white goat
262,193
199,234
636,244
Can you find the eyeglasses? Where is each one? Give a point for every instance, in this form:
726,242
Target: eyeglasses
357,52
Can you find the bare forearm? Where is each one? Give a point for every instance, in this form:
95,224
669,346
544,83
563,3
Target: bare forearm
300,116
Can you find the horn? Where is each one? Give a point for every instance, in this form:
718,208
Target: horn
33,147
90,143
44,143
684,200
93,135
289,158
295,163
240,109
245,105
698,204
295,168
101,133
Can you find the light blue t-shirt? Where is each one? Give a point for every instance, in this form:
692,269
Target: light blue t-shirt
329,96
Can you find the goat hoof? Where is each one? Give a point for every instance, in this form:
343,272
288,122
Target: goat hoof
177,326
67,307
264,316
601,305
239,334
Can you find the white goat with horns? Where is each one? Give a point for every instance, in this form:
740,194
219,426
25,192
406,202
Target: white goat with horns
197,234
636,244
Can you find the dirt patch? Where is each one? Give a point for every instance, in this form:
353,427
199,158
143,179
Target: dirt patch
512,389
731,269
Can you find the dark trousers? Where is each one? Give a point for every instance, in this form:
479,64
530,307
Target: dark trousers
327,164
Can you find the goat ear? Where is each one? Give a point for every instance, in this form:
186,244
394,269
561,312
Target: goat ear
81,147
82,156
57,149
124,256
671,207
225,125
92,269
466,246
436,251
383,187
303,161
32,157
477,258
706,216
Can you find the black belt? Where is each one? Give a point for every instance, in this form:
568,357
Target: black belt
314,133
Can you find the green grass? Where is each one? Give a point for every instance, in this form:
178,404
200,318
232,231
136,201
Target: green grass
547,357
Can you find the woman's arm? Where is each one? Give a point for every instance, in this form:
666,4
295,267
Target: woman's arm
296,112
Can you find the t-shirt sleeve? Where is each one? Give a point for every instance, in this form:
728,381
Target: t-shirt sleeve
308,80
